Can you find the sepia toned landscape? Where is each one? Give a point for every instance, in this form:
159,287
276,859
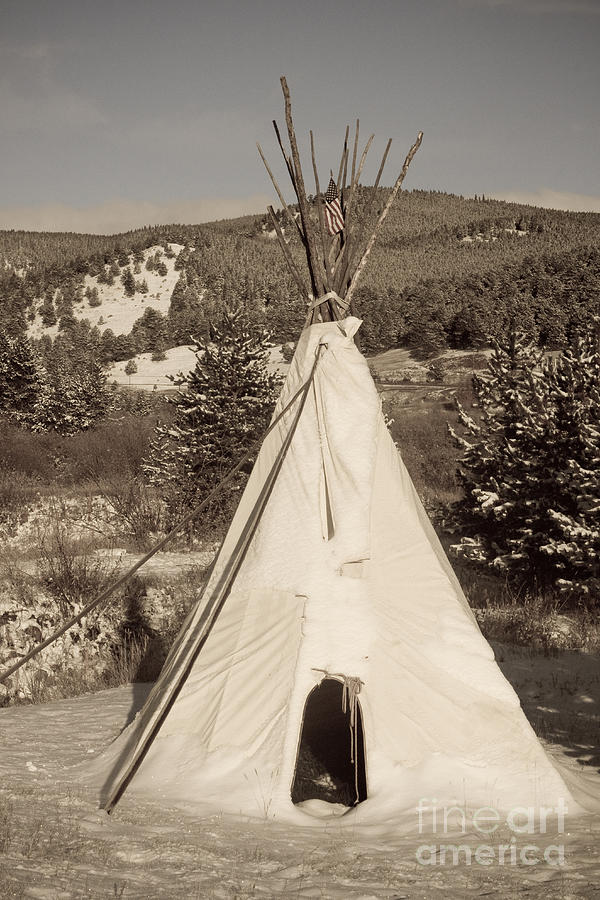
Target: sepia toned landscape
299,450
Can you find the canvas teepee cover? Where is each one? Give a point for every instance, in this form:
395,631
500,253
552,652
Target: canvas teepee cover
344,579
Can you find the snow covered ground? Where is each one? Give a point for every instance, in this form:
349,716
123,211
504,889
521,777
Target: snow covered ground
54,843
178,359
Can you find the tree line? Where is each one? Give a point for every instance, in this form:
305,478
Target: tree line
448,272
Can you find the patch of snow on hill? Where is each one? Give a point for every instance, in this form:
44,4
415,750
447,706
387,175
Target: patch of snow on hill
151,373
154,374
117,311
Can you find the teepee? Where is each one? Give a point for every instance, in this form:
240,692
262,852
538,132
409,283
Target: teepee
333,663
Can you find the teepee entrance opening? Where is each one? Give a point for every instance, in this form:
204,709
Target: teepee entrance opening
330,764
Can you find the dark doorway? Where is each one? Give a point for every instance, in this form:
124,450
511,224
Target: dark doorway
325,769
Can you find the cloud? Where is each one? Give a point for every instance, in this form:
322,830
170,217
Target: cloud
117,215
538,7
550,199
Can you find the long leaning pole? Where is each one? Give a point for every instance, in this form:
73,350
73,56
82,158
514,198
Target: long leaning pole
163,696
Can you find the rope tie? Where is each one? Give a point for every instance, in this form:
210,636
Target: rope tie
351,686
331,295
350,692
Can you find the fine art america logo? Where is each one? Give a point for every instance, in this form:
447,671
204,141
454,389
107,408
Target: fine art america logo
497,831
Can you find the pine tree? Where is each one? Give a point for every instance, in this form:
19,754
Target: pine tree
21,378
128,282
572,467
159,353
47,311
92,296
71,400
149,330
531,471
222,408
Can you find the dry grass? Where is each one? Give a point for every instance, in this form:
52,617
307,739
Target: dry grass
428,451
111,448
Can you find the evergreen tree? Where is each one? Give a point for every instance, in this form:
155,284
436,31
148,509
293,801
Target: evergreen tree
531,470
130,368
150,330
64,301
92,296
72,400
128,282
572,460
222,407
106,348
158,354
20,378
122,347
47,311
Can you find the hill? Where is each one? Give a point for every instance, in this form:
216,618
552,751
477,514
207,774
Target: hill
104,301
447,272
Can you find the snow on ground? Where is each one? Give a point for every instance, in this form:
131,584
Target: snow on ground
152,373
117,311
55,843
165,564
401,363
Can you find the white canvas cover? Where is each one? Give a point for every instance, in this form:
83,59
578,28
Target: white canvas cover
344,575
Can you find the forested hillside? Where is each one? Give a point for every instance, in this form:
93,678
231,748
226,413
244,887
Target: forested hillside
447,271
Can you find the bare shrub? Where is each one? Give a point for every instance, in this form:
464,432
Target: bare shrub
18,492
68,569
140,512
427,450
26,452
111,449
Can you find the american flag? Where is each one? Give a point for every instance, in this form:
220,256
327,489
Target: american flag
334,217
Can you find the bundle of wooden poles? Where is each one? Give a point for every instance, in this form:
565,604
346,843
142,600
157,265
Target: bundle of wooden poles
335,262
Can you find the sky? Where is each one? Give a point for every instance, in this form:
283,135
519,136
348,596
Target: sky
121,113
